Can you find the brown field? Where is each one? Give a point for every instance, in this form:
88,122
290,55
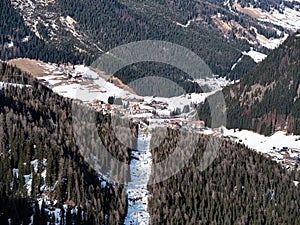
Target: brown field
29,66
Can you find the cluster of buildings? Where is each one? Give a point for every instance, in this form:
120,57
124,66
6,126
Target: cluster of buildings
290,157
63,73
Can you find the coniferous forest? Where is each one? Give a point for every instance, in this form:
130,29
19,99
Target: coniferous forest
108,24
36,125
267,98
239,187
57,154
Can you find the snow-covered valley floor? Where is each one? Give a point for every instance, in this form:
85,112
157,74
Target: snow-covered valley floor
261,143
140,169
280,147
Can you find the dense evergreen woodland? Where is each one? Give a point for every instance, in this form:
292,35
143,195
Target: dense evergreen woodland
36,126
13,29
108,24
267,98
239,187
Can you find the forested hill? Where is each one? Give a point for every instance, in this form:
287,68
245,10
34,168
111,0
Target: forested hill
267,98
43,175
18,40
84,27
239,187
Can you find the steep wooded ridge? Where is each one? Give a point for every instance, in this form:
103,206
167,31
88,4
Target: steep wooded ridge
25,43
239,187
83,28
40,161
267,98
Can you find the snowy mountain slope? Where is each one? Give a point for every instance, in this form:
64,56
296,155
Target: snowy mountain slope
86,27
284,16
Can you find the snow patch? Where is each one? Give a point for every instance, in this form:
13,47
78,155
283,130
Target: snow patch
15,172
6,84
234,65
188,22
25,39
263,143
256,56
9,44
271,43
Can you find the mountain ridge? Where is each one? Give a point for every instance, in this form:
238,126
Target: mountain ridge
88,27
267,98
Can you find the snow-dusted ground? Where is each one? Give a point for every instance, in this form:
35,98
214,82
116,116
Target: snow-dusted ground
178,101
271,43
188,22
263,143
98,88
28,177
9,44
43,12
137,188
5,84
281,147
50,204
287,18
255,55
57,212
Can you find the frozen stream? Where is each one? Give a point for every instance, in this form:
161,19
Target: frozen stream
140,169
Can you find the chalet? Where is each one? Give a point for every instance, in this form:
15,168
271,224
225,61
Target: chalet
199,124
286,155
291,160
107,106
175,123
283,152
98,102
135,99
135,107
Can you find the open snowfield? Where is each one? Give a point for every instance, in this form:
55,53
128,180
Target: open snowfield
264,144
289,18
255,55
95,89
